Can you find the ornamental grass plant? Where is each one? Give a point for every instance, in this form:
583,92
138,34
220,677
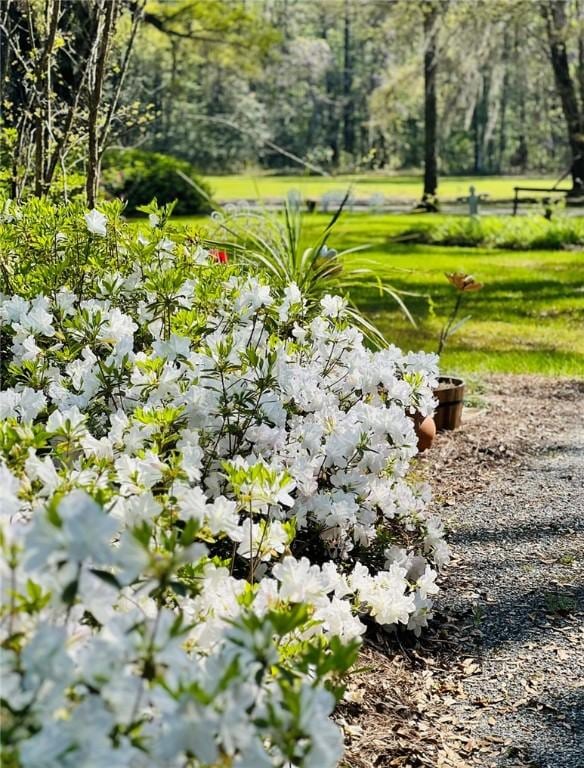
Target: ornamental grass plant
276,246
205,494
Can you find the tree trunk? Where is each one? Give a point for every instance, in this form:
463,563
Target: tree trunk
95,95
42,100
502,142
476,141
554,13
348,106
430,109
137,16
580,66
332,112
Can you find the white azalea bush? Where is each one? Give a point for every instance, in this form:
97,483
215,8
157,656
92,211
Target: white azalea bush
204,498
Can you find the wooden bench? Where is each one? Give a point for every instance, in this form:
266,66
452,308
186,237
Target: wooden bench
516,200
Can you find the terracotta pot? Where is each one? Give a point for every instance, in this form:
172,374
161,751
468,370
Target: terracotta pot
425,430
450,394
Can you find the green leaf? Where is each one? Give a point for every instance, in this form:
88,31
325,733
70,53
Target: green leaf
70,592
287,621
106,577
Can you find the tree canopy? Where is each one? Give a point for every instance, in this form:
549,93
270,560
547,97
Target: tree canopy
339,85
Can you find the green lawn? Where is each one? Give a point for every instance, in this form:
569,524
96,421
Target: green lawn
404,187
528,318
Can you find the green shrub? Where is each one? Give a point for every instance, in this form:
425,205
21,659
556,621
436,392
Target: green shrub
68,183
45,246
510,232
137,177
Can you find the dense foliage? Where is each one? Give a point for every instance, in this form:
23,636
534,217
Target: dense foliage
136,177
515,233
336,85
204,493
340,85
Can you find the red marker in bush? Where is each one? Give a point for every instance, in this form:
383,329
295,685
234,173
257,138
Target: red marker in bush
220,256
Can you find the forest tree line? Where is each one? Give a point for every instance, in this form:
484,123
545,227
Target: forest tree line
333,85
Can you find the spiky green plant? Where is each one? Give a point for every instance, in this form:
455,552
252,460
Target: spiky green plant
275,245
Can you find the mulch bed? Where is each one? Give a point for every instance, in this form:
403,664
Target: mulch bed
522,415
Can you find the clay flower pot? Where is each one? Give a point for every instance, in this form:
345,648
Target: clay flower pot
450,394
425,430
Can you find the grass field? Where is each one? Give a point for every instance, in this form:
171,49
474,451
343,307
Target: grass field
528,318
364,186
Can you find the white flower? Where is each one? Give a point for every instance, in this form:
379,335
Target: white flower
13,308
334,580
31,403
332,306
422,612
43,470
9,487
427,583
326,746
45,748
299,333
222,516
299,580
9,401
119,328
84,532
267,539
101,448
64,420
136,509
166,247
191,729
192,503
338,619
45,656
96,222
87,527
253,295
38,320
386,596
253,755
173,347
65,300
137,475
98,596
292,298
192,459
30,349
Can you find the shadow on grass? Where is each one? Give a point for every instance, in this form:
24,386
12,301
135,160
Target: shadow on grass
510,297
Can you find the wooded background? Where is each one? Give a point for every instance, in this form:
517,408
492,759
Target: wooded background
343,85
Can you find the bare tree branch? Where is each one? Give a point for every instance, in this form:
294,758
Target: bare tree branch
137,16
42,92
107,25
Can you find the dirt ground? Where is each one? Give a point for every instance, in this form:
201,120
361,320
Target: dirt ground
498,679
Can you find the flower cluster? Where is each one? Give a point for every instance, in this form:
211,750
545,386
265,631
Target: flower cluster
203,490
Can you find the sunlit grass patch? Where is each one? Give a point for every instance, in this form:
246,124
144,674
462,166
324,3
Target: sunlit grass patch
529,317
402,186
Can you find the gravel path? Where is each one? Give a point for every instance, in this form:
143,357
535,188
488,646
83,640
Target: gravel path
498,679
516,597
